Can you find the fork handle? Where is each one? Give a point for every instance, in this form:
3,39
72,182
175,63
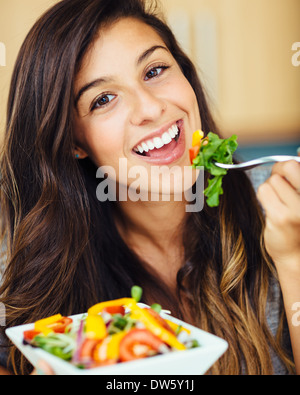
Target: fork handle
257,162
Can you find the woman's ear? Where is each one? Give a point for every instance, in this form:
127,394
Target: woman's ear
80,153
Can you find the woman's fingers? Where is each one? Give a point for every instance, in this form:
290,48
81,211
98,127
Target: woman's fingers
280,198
290,171
285,191
269,200
280,194
42,369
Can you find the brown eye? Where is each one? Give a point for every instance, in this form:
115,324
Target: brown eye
103,101
155,72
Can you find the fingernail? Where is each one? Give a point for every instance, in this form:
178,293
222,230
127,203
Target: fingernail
40,372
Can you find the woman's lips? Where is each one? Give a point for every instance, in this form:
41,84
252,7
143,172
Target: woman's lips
158,140
164,150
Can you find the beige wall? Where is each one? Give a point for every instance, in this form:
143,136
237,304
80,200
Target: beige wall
243,48
16,18
256,89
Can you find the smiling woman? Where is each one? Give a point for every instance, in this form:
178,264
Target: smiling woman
142,109
97,82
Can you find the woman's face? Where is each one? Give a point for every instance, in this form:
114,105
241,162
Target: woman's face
133,101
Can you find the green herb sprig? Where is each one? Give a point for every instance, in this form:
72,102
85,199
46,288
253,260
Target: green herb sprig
215,150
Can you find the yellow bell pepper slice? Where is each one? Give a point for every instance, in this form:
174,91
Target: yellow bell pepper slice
113,346
98,308
143,316
95,327
42,325
175,327
150,323
197,137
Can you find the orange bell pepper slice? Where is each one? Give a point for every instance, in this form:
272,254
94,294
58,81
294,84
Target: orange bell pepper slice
194,152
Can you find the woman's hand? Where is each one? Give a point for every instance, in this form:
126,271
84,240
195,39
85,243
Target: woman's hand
43,369
280,198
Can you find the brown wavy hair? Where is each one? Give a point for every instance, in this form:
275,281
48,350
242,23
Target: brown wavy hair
64,250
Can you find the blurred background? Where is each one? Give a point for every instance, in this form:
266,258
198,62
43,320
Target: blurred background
245,51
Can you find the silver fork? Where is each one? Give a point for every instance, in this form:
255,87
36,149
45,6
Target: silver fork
257,162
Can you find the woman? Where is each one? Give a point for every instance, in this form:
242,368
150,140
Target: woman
95,80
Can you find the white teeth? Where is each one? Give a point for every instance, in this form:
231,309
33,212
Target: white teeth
145,147
172,133
150,145
166,138
158,142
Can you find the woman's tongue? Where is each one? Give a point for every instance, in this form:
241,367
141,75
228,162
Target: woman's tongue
161,152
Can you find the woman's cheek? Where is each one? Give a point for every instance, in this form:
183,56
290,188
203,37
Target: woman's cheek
184,97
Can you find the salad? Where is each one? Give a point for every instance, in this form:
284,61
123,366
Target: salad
205,152
111,332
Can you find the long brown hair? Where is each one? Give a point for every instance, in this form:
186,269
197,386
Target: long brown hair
64,250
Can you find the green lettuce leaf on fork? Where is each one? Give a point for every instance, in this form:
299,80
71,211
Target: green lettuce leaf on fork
215,150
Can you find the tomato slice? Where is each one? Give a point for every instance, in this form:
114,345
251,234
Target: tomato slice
137,344
30,335
115,310
87,349
61,325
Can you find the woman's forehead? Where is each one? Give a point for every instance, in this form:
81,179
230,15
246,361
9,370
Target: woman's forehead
123,43
127,28
127,37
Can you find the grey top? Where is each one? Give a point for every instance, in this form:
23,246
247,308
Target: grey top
274,306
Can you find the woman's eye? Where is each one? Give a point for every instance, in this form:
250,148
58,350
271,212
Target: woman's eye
102,101
155,72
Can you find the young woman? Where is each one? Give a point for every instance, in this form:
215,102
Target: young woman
95,80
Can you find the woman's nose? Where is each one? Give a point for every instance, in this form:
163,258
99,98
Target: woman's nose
147,106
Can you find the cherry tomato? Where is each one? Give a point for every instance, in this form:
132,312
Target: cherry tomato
137,344
115,310
30,335
61,325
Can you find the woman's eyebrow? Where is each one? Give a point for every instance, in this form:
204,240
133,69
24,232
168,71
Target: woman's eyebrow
90,85
100,81
149,52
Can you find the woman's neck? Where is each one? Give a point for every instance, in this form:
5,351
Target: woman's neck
158,222
153,230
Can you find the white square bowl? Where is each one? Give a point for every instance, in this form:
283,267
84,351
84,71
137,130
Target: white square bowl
195,361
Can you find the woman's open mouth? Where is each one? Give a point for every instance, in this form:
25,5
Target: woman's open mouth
163,149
